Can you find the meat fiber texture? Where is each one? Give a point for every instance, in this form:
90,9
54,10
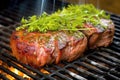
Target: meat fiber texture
98,36
38,49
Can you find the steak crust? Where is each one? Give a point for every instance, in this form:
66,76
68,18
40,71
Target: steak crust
98,36
39,49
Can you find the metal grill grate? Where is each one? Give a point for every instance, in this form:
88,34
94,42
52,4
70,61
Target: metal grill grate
101,64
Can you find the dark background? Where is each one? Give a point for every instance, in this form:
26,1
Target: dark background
108,5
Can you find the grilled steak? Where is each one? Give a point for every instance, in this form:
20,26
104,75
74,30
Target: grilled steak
38,49
61,36
98,36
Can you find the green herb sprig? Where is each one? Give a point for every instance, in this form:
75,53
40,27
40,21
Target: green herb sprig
66,19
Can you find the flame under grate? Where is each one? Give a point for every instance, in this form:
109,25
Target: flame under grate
101,64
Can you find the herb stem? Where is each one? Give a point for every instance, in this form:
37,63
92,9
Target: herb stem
66,19
78,29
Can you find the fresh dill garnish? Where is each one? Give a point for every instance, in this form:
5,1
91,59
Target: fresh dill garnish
68,18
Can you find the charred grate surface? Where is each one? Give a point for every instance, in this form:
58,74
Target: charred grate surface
101,64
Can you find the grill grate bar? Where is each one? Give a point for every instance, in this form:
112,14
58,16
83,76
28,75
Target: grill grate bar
3,77
116,44
111,58
14,15
112,52
4,39
11,73
117,27
4,33
104,60
61,76
5,46
104,68
75,75
117,34
113,15
53,68
89,67
8,56
117,31
85,72
17,67
115,18
6,29
114,72
7,19
115,48
114,77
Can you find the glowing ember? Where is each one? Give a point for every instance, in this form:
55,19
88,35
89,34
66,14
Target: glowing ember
10,77
44,71
0,62
18,72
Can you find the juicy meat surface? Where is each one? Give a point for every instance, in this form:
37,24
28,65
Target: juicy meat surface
38,49
98,36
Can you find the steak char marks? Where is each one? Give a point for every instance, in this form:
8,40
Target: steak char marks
38,49
61,36
99,36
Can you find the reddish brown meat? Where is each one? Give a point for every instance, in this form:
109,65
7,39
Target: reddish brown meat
38,49
98,36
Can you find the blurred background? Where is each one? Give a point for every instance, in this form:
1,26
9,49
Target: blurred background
19,8
108,5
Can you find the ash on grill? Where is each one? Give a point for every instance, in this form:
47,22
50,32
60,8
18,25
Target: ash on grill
101,64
